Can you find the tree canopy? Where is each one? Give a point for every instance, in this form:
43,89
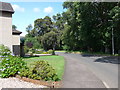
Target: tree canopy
84,26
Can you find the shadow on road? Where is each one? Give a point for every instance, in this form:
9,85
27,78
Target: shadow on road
109,59
104,59
90,55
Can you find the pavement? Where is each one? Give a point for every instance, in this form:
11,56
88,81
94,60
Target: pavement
78,75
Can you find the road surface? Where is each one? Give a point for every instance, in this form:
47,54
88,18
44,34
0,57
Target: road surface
106,69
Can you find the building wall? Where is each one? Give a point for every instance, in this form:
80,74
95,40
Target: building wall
6,37
6,29
16,39
16,44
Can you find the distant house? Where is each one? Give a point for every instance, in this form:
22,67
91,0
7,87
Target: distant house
8,37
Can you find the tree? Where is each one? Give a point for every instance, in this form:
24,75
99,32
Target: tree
59,23
14,27
29,28
42,26
50,40
31,42
88,25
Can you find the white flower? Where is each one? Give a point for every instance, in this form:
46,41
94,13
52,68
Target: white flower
12,54
6,64
2,69
8,67
7,59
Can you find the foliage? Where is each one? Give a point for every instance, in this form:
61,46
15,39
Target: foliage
57,62
38,51
11,66
4,51
50,51
89,25
44,34
85,26
26,49
29,28
31,43
14,27
45,53
41,71
46,72
49,40
66,48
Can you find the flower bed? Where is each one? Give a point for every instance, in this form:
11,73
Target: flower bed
50,84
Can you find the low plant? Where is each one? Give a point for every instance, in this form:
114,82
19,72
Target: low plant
38,52
45,70
50,51
45,53
4,51
40,71
11,66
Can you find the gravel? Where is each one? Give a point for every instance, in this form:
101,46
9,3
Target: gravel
17,83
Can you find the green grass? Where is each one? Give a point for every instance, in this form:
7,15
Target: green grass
57,63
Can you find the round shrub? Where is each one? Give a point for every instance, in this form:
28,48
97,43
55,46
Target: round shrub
41,71
11,66
45,71
50,51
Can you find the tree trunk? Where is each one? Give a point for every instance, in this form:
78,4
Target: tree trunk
107,50
53,53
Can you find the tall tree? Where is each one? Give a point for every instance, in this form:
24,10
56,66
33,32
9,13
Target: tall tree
14,27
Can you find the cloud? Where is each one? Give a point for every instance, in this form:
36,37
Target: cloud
36,10
48,10
18,8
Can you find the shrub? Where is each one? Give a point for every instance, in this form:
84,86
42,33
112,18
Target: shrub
26,49
29,74
38,52
41,71
45,71
66,48
4,51
11,66
45,53
50,51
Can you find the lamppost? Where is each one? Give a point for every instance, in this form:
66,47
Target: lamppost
112,42
113,50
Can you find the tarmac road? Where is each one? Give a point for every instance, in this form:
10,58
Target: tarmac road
104,68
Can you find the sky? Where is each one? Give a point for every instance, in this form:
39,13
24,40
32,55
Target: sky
27,12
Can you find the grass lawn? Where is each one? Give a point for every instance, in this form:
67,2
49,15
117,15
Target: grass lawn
57,63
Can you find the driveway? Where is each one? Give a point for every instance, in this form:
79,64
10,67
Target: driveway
84,71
